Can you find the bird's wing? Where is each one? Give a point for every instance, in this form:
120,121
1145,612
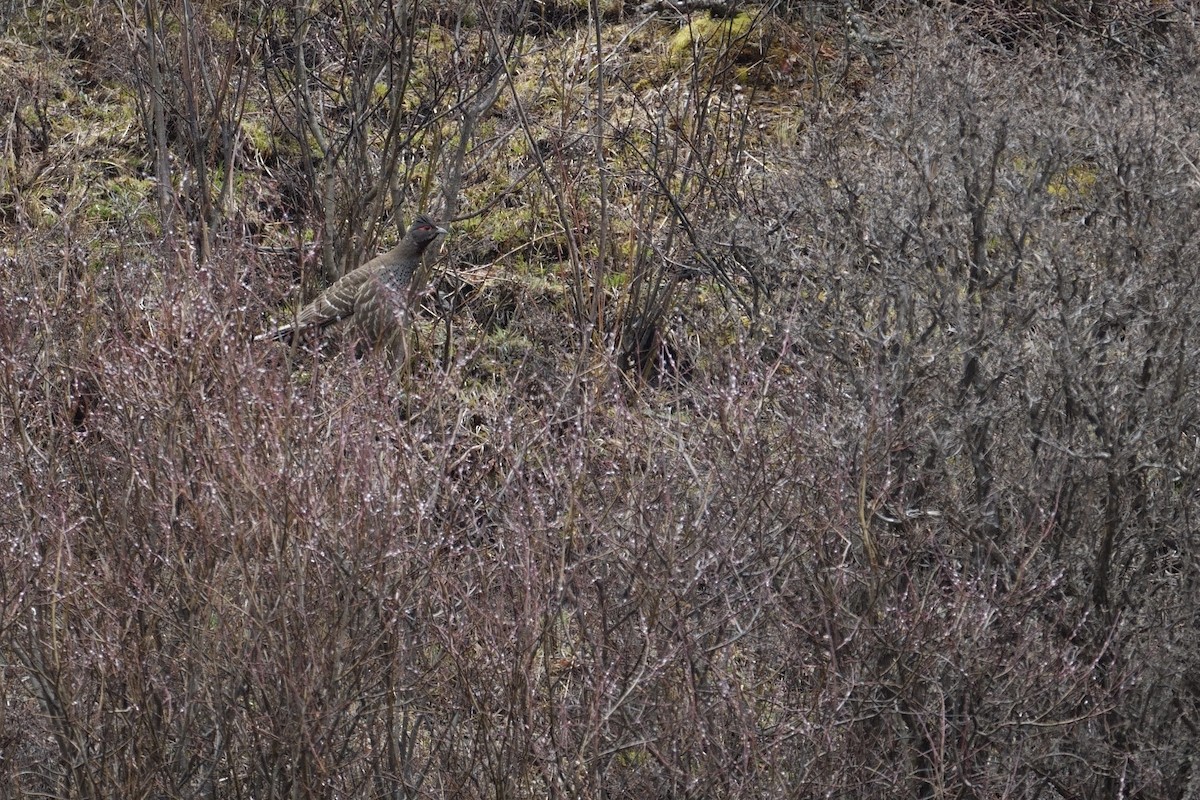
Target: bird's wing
333,304
336,302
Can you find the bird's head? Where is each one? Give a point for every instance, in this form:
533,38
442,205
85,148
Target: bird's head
424,230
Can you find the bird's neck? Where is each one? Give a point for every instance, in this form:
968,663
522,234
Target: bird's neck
407,249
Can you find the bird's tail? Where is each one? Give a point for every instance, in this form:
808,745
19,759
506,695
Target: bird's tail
280,334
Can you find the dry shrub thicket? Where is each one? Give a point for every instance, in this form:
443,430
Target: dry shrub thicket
865,466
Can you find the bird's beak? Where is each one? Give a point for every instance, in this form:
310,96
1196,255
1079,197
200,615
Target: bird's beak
442,231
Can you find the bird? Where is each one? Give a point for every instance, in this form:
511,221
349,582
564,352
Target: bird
374,296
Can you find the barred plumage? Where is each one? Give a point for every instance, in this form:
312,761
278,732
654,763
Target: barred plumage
375,295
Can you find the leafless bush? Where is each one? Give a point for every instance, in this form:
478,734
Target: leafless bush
1004,288
919,524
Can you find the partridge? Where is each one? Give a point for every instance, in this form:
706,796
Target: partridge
374,296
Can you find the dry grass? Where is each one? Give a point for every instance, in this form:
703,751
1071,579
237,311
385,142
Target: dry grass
847,449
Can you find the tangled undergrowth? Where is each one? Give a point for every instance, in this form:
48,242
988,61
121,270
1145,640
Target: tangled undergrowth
804,403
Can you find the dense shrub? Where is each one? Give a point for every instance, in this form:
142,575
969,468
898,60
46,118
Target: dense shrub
916,520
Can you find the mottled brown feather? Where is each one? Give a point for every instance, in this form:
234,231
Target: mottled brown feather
374,295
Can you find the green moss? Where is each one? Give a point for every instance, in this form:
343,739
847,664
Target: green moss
1076,181
995,246
615,279
258,137
709,39
633,757
501,350
437,45
506,344
788,123
124,198
220,29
